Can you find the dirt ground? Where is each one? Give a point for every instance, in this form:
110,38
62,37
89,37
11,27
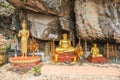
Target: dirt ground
61,71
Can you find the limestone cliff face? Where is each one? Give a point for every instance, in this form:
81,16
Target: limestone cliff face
8,16
6,9
47,18
43,26
97,19
88,19
55,7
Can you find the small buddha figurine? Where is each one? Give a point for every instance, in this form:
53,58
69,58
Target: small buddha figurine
24,34
64,45
33,46
79,51
95,51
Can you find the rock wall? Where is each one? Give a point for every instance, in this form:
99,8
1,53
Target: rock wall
6,9
55,7
47,17
92,20
97,19
43,26
9,21
88,19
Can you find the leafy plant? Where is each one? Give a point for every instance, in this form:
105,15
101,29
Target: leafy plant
36,69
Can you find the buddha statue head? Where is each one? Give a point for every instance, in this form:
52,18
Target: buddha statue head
94,45
24,25
64,36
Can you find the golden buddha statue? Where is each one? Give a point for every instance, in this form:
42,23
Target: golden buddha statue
95,51
64,45
79,50
33,46
24,34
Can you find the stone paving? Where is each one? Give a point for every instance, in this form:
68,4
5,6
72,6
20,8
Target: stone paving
51,71
83,70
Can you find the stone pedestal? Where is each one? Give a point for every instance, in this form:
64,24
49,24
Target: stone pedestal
65,57
97,59
24,62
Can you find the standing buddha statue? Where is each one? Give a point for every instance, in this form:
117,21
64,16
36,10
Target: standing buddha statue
24,34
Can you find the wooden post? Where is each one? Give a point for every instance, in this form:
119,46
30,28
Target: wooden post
79,43
107,50
53,46
73,39
79,51
113,52
85,47
49,49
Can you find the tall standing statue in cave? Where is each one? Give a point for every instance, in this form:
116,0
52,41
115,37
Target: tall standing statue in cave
24,34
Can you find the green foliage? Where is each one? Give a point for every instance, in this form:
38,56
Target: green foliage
8,7
36,69
9,49
5,46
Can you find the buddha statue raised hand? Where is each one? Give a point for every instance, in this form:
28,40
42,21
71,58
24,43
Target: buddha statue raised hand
95,51
64,45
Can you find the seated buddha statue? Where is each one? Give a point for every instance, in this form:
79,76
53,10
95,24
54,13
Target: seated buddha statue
64,45
95,51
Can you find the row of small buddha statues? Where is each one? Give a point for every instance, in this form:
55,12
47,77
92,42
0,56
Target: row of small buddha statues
95,56
65,46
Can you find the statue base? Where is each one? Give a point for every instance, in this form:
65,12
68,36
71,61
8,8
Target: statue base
64,57
24,62
97,59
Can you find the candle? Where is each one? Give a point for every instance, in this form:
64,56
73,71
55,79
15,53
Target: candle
74,58
56,58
